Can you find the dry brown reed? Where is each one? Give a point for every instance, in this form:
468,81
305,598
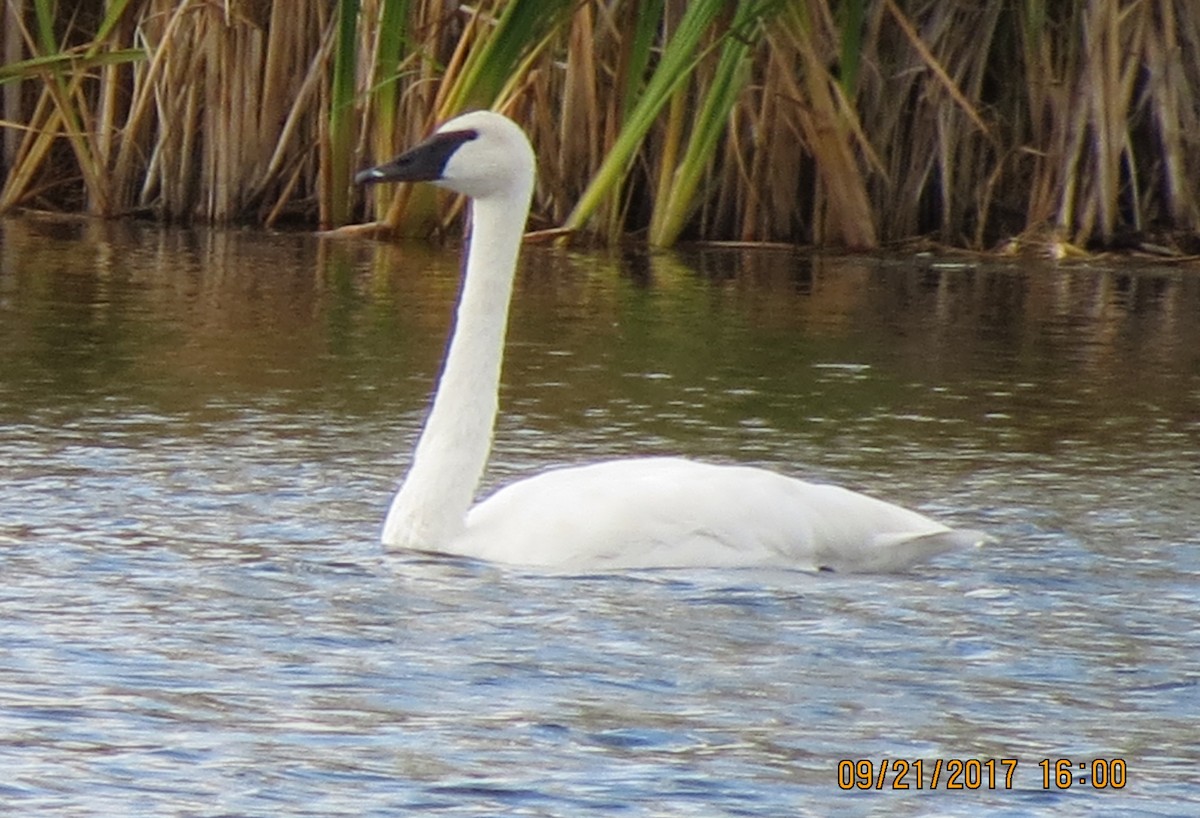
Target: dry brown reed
853,123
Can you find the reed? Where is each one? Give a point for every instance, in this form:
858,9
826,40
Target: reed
676,197
850,122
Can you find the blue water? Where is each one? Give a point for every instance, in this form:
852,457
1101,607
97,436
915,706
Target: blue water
198,441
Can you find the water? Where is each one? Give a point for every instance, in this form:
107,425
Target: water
199,434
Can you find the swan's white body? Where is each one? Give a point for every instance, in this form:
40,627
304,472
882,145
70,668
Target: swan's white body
634,513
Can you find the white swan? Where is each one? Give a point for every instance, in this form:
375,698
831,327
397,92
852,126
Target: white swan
636,513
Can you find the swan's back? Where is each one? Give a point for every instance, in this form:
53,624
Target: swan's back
669,512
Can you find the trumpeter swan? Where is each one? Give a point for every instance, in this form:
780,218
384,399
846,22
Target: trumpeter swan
635,513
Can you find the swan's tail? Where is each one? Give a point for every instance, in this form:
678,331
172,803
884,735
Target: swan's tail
894,552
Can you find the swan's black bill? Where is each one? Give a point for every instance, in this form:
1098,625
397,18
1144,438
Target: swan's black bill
424,163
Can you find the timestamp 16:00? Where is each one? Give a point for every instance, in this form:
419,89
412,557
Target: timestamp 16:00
975,773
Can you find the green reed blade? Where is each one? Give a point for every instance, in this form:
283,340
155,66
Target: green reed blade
489,67
342,116
637,56
391,40
676,63
673,207
67,61
850,22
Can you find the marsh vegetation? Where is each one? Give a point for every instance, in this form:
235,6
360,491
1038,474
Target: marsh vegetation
848,122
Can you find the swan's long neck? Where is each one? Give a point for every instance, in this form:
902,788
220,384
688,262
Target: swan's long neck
431,506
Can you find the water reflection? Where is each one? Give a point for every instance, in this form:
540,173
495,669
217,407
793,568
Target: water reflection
199,432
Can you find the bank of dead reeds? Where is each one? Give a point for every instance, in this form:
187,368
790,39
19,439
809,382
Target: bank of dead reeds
851,122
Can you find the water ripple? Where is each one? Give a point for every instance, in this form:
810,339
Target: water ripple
196,618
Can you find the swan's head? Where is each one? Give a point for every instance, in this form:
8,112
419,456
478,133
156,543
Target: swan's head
479,154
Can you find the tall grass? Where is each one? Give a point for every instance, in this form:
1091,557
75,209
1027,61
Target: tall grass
850,122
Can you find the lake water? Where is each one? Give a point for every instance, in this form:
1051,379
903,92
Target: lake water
200,433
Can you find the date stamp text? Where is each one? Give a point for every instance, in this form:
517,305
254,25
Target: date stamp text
976,773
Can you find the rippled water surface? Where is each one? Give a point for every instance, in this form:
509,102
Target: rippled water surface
200,432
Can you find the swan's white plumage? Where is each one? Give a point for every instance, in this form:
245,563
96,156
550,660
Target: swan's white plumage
664,511
633,513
